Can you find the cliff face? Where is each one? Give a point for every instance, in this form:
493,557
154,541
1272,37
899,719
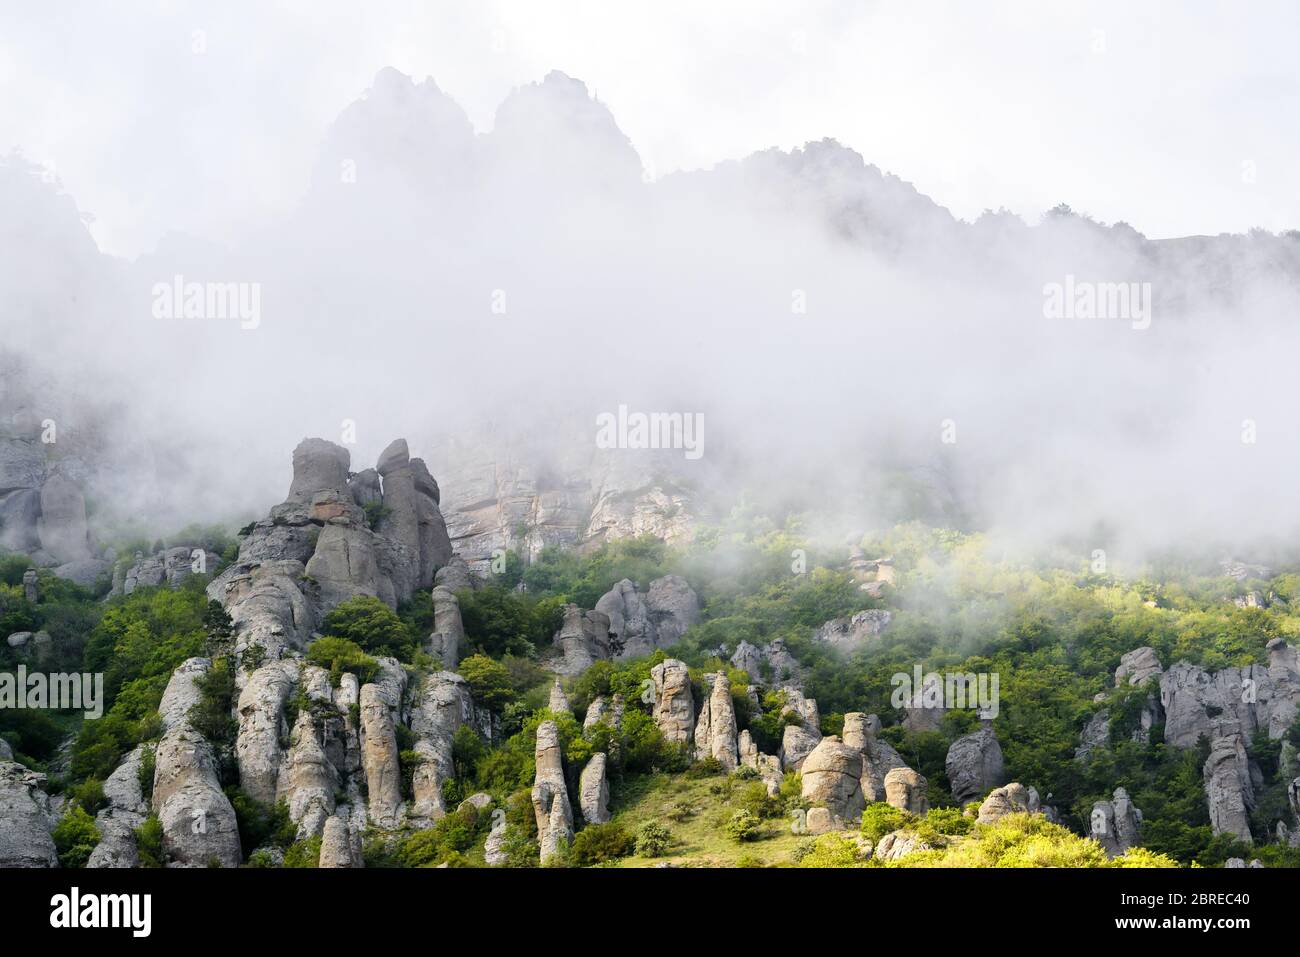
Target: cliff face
504,495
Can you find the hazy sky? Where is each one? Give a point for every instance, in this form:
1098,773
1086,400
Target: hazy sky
1177,117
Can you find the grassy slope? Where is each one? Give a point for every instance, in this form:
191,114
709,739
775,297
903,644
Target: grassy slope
701,840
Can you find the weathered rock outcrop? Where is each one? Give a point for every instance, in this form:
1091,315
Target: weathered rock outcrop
317,548
1012,798
798,740
494,850
261,727
337,848
593,791
1229,791
898,844
448,628
455,576
768,766
182,692
444,704
198,822
1197,703
610,712
550,794
861,732
748,659
25,839
906,789
309,779
832,777
974,764
169,567
850,633
558,701
674,706
640,623
1137,666
715,729
583,638
379,757
125,810
1115,824
925,711
62,526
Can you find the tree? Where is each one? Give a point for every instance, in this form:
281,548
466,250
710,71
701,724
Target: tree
489,682
367,622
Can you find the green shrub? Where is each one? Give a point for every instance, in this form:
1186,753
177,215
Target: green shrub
303,854
947,821
149,842
75,837
340,655
653,839
599,843
744,826
368,622
489,682
880,819
89,794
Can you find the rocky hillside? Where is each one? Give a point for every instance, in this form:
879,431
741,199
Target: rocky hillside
340,688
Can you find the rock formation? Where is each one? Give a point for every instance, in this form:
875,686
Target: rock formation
198,822
558,701
379,757
583,638
639,624
1012,798
593,791
169,567
1137,666
925,711
974,764
832,777
1228,788
337,848
715,729
124,811
674,706
550,794
906,789
448,628
261,715
798,740
768,766
861,732
851,633
1114,824
25,839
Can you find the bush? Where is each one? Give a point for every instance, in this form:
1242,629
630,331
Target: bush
369,623
653,839
744,826
89,795
489,682
75,837
879,819
828,850
303,854
945,822
598,843
340,655
149,842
